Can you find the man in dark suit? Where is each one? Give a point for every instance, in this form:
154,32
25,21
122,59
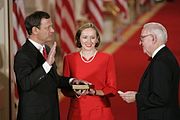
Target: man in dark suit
157,97
36,76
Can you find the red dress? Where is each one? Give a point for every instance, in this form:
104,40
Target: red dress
101,73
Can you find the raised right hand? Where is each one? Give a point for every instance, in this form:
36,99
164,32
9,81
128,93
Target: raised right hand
51,57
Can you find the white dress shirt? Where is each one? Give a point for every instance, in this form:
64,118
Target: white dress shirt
159,48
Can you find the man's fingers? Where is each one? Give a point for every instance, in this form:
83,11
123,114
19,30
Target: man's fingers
54,46
53,50
84,82
87,83
80,82
51,56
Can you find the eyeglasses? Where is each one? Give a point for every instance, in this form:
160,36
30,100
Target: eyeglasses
144,36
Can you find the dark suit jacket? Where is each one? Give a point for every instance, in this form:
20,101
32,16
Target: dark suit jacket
157,97
38,97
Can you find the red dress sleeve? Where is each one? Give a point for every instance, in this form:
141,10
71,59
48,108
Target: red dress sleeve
66,73
110,88
66,70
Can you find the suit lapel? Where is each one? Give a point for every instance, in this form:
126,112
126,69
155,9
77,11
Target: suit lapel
159,53
34,54
34,51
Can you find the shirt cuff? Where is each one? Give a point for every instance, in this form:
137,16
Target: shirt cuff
70,80
46,67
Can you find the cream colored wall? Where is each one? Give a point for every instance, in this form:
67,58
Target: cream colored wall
4,61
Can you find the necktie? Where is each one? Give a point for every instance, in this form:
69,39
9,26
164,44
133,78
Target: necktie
44,53
150,58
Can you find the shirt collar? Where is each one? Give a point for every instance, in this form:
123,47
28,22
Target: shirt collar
37,45
159,48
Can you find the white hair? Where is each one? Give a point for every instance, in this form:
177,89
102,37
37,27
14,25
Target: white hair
157,29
